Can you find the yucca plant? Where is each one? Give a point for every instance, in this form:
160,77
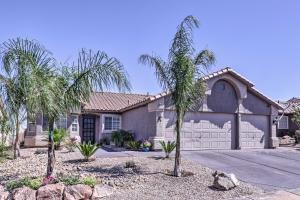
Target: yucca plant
168,147
87,149
134,145
59,136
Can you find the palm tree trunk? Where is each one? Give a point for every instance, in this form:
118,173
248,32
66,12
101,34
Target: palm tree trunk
51,152
177,167
17,142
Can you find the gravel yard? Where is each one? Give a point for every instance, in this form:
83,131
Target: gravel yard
148,180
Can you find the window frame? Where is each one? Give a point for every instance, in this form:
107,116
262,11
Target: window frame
111,115
77,123
59,118
287,123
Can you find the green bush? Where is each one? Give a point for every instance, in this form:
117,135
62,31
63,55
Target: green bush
121,137
33,183
130,164
70,180
134,145
168,147
3,148
87,149
59,136
90,181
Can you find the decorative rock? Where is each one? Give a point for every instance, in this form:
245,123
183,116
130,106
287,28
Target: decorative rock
101,191
79,191
51,192
234,180
223,181
4,195
24,193
287,140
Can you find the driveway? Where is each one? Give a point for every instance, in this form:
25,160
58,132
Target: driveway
277,169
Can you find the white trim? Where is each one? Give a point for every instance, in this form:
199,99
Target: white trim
72,123
287,123
103,121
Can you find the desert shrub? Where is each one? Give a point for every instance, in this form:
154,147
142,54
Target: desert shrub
59,136
167,147
71,143
90,181
134,145
87,149
105,141
130,164
120,137
33,183
70,180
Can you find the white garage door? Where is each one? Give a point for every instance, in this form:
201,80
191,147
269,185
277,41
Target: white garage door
254,131
203,130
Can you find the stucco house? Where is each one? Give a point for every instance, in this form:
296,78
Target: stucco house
232,115
286,126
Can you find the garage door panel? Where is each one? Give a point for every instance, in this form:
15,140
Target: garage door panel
204,130
254,131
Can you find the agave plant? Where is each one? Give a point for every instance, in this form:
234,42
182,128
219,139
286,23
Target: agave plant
168,147
87,149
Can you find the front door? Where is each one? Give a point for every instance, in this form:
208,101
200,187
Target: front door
88,129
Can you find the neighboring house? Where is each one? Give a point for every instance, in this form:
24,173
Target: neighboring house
232,115
286,126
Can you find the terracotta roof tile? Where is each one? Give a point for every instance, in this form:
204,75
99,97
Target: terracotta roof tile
290,106
109,101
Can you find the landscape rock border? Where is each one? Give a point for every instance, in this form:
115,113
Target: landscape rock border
58,191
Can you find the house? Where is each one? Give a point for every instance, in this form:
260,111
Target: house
232,115
286,126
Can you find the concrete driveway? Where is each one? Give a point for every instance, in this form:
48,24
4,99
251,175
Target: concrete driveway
277,169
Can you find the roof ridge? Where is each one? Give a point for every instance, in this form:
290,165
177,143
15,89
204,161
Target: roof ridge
109,92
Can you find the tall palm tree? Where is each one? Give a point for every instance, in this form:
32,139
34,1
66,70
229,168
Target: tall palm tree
181,75
69,86
22,63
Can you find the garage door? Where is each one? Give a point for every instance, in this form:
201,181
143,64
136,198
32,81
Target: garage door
203,130
254,131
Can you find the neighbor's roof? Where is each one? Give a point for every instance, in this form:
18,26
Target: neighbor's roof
119,102
112,102
290,106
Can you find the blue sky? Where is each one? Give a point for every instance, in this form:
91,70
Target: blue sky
259,39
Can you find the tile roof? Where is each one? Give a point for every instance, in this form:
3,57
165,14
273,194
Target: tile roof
112,102
290,106
120,102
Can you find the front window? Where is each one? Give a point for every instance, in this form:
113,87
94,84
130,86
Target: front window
283,123
74,125
61,122
112,123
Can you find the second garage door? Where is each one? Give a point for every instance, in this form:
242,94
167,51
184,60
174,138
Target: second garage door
254,131
203,130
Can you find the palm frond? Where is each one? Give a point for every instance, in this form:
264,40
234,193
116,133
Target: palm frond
162,70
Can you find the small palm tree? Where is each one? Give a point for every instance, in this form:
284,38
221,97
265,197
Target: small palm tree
67,87
23,61
168,147
181,75
87,149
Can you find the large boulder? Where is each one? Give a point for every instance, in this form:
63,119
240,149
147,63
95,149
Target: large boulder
4,195
224,181
24,193
79,191
287,140
51,192
101,191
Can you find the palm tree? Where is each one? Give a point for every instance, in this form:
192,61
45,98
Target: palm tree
22,63
181,75
69,86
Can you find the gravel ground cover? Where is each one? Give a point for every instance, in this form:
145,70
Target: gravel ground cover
150,178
